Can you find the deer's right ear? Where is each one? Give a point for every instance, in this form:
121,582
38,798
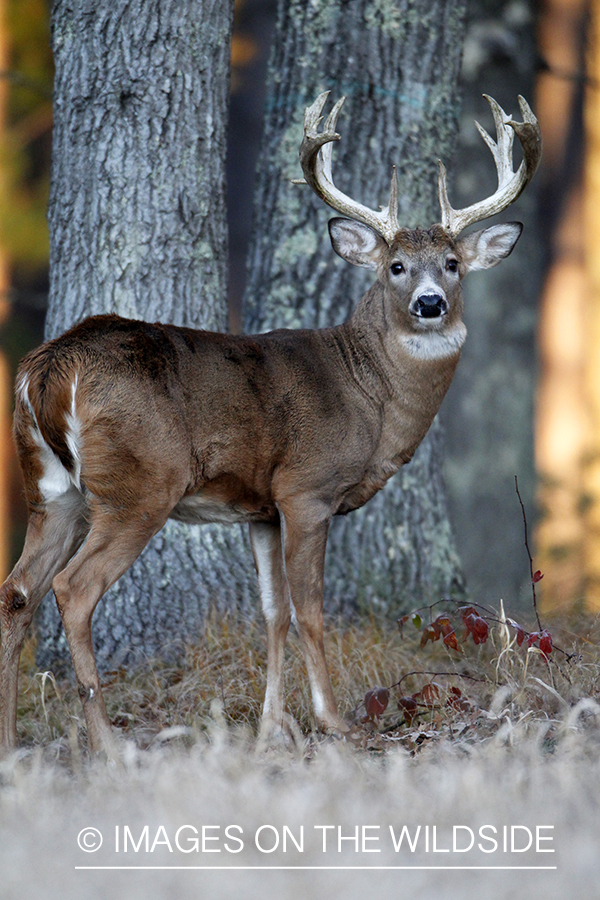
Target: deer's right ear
356,243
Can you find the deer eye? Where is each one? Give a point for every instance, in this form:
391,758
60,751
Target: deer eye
396,268
452,265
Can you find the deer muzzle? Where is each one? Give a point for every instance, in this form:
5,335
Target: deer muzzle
429,305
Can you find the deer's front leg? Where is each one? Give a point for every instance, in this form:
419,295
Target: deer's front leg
304,542
265,540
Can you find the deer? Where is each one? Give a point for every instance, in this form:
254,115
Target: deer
120,425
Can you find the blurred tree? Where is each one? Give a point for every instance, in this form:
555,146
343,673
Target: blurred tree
5,439
561,404
27,70
397,63
590,470
137,227
488,413
253,26
25,118
26,73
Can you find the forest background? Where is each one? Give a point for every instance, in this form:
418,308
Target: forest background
526,399
522,745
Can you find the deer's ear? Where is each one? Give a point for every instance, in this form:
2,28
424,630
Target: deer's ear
485,249
356,243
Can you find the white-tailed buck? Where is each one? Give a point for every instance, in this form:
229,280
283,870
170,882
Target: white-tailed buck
120,425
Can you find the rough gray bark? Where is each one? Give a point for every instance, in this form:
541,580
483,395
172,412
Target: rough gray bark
397,62
488,413
137,225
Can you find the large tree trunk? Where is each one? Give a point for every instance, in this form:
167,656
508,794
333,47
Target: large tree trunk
488,413
137,223
398,64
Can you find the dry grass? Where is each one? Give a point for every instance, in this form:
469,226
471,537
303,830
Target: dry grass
525,753
229,666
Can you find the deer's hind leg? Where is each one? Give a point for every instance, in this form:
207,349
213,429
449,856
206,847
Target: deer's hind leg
54,532
115,540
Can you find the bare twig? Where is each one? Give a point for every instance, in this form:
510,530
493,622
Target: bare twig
463,602
528,554
450,674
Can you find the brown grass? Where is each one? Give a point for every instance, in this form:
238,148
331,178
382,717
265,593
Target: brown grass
226,669
524,753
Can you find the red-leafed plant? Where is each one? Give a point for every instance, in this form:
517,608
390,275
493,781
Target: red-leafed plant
477,621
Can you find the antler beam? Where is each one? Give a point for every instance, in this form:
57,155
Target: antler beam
315,157
510,183
316,154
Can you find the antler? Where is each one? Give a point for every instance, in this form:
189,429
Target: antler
317,146
315,157
510,183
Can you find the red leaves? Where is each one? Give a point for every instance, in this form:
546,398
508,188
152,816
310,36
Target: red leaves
428,634
443,627
410,708
520,633
476,620
477,627
432,696
542,638
450,639
455,697
465,611
429,695
440,628
546,643
376,701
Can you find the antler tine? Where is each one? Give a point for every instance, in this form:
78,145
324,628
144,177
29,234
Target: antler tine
528,136
316,158
501,148
332,118
312,114
329,130
510,183
390,212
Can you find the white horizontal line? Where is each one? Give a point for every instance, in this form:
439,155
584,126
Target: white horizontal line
369,868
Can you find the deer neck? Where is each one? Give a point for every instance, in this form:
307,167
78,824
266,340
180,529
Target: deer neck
411,371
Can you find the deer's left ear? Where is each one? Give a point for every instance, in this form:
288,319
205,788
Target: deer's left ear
485,249
356,243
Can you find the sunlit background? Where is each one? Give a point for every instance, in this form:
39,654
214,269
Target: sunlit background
567,102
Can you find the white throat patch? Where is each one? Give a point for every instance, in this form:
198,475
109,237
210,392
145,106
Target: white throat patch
435,344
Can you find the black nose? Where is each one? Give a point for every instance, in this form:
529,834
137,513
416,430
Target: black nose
430,306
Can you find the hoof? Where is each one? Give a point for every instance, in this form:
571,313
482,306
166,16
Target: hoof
280,735
335,729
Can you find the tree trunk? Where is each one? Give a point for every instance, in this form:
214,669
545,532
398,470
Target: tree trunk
137,223
488,413
397,63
